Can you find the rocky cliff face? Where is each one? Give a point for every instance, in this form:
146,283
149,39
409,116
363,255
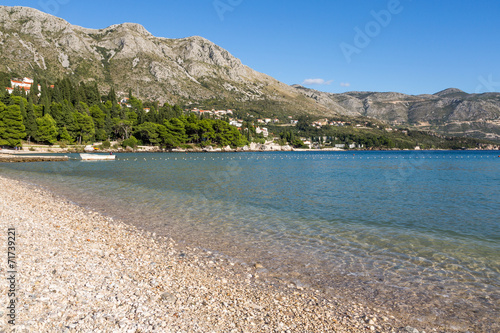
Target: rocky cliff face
450,111
194,69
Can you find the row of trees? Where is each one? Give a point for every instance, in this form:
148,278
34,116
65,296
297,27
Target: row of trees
79,114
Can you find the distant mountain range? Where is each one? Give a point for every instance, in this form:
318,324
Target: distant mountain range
451,111
193,70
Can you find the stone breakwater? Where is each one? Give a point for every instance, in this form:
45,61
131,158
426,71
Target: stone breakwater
17,158
79,271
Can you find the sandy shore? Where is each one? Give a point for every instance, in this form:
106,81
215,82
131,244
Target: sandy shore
78,271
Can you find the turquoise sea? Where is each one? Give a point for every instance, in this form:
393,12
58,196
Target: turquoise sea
415,232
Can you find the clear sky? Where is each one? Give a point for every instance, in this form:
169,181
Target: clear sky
409,46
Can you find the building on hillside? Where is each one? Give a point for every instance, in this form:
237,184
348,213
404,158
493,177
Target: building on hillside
25,84
262,130
307,142
235,123
220,113
125,101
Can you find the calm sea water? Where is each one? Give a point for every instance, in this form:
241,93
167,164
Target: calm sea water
415,232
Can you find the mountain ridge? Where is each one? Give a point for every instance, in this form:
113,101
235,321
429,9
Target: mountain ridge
450,111
130,57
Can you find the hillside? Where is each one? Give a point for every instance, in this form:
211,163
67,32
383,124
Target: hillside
127,56
450,112
193,71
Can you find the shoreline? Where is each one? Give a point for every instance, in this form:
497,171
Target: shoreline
149,283
7,154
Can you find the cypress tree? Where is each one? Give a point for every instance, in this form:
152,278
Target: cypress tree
69,119
22,107
92,94
30,123
111,96
34,90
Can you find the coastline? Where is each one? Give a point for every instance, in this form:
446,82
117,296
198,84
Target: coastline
80,270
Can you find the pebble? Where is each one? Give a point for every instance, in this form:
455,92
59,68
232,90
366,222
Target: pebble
96,274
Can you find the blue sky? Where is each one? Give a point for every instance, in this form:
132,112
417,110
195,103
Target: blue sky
414,47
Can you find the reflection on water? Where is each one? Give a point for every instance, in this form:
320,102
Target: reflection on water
396,228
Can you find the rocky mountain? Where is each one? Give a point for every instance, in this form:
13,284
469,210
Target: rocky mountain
127,56
451,111
195,70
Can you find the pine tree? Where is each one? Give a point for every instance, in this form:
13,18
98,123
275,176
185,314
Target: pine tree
85,125
12,129
47,129
65,136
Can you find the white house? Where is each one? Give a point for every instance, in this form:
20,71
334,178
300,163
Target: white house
262,130
25,84
235,123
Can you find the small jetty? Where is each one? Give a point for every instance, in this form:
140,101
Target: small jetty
31,158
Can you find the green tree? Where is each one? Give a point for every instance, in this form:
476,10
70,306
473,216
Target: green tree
46,129
303,124
148,132
173,134
99,118
132,116
111,97
12,129
122,127
30,124
65,136
22,106
69,119
92,94
34,90
130,142
85,127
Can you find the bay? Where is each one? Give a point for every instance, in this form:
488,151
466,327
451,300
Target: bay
415,232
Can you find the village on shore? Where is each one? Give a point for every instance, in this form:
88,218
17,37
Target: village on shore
47,122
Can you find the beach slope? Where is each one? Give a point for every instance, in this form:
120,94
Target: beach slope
77,270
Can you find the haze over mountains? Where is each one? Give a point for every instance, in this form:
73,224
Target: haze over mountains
194,70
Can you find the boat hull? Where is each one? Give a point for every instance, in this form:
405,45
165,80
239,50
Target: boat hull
96,157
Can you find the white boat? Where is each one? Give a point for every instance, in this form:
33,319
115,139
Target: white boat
97,157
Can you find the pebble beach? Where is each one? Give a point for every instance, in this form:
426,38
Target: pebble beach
79,271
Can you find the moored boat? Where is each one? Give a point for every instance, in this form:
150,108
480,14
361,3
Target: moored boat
96,157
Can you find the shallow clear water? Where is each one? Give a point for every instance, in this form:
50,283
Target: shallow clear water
408,231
